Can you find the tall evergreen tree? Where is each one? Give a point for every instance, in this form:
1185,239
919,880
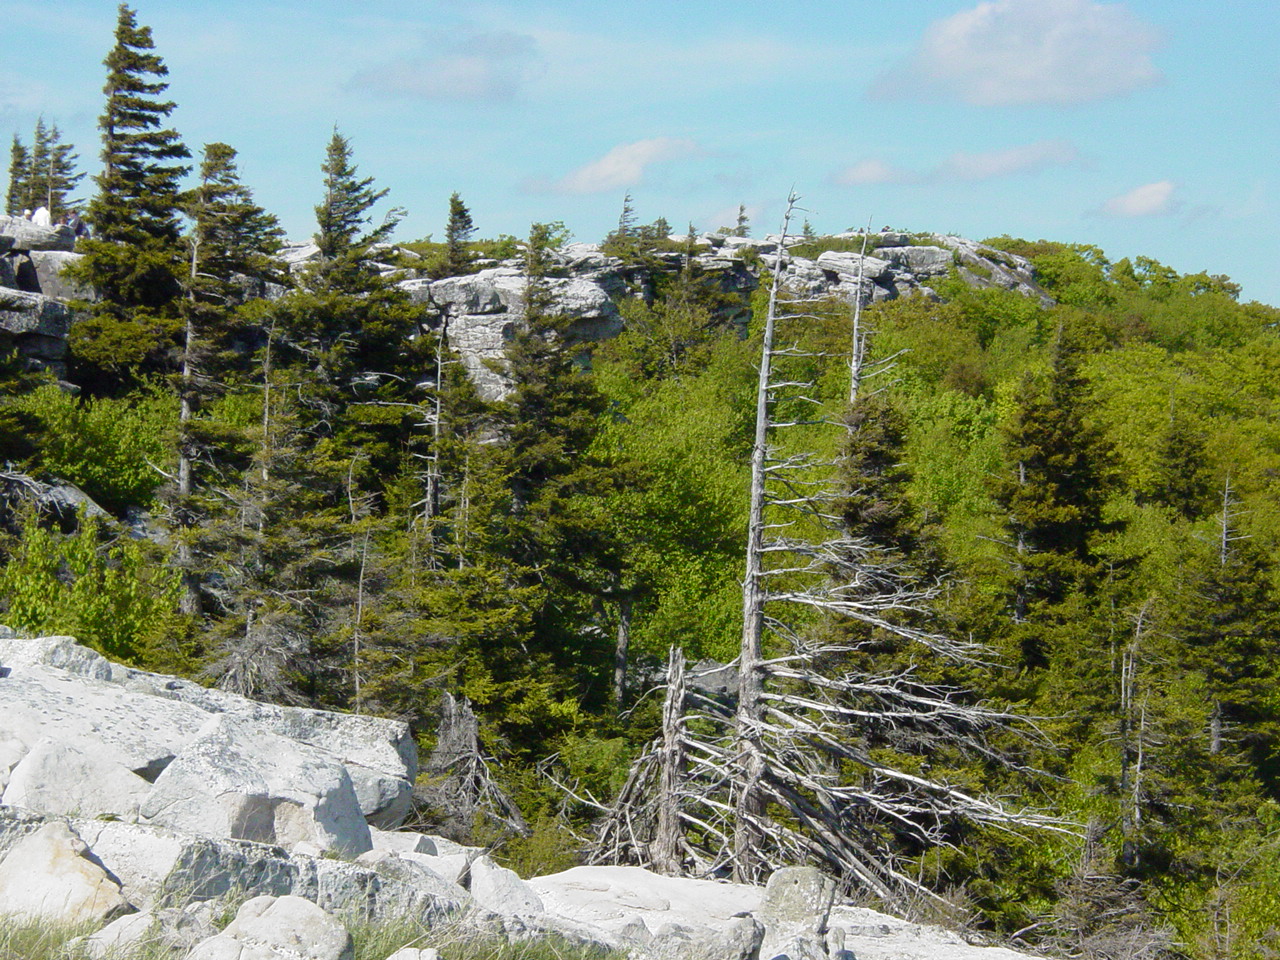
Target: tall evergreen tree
38,167
343,216
340,414
62,175
458,233
232,245
1056,487
50,170
19,167
135,259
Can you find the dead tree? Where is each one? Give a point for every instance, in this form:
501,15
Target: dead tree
791,772
457,783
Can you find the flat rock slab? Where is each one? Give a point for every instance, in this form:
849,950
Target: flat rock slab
869,935
26,235
58,778
612,897
139,732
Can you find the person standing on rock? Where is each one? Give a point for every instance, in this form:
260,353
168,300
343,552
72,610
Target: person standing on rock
41,217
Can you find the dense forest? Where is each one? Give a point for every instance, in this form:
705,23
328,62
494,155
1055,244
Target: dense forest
1024,677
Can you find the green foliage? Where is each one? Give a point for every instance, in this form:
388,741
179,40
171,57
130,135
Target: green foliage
458,234
343,217
814,247
134,259
19,163
111,594
113,449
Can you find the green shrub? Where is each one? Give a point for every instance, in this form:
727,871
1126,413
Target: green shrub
113,449
108,594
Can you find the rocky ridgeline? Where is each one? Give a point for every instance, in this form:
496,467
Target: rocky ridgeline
148,806
480,312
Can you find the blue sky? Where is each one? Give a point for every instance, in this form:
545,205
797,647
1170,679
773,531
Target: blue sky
1146,127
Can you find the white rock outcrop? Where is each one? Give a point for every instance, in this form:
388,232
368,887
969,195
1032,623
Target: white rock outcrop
51,687
278,928
233,781
58,778
49,875
502,891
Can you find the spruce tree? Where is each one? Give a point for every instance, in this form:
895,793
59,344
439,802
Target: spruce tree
135,259
340,413
343,216
38,168
19,169
61,173
232,244
457,235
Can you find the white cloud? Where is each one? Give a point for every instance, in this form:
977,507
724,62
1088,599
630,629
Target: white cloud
487,67
1018,52
871,171
1149,200
990,165
625,165
967,167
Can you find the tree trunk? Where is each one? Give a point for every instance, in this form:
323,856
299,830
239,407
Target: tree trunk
666,843
621,652
750,755
189,599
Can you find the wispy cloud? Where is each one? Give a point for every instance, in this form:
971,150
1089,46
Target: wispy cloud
966,167
1148,200
1018,52
624,165
871,171
485,67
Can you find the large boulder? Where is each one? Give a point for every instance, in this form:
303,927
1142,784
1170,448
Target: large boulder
139,732
26,235
922,262
232,780
161,870
278,928
846,266
57,778
143,720
614,898
502,891
47,267
49,875
31,314
797,903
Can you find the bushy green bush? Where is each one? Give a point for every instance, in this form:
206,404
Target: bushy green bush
106,592
113,449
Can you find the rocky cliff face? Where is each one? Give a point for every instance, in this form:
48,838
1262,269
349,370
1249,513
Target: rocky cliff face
480,312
